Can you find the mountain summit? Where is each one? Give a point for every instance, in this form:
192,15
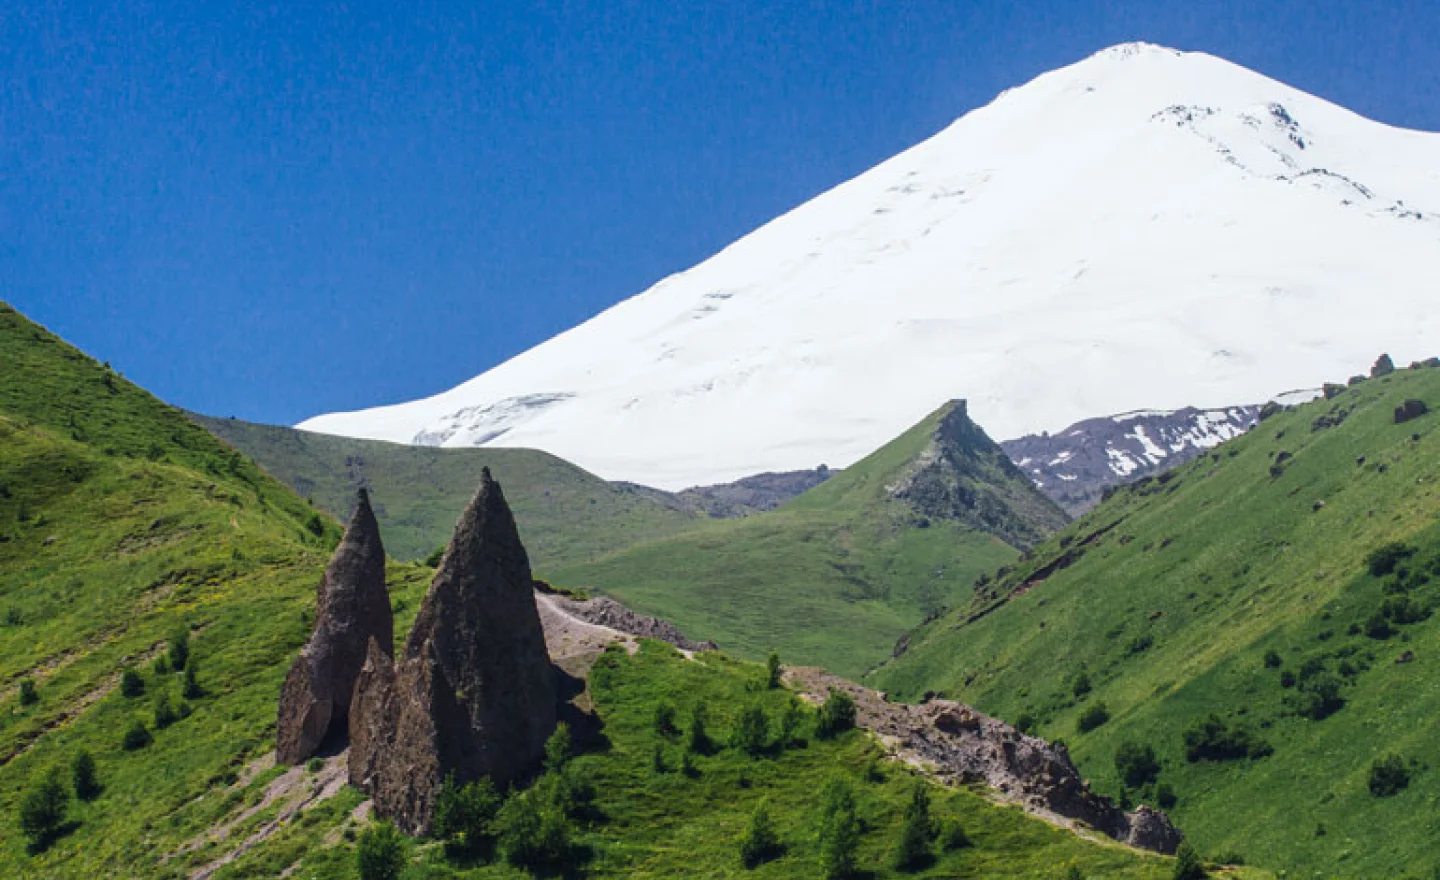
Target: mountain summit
1146,228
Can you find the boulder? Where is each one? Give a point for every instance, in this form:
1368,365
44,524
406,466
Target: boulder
1333,390
352,609
473,693
1383,366
1410,409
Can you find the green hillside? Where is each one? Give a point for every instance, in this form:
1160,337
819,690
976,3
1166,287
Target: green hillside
568,515
1245,585
835,576
123,525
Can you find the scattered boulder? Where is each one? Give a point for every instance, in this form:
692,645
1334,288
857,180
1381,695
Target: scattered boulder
1430,363
1356,380
1410,409
352,609
473,693
1383,366
1333,391
1406,657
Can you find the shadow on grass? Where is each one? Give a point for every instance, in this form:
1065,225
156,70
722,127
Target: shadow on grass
41,844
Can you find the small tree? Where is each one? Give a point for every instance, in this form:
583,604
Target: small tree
665,719
1080,686
837,714
179,649
1187,864
28,695
1388,776
772,671
165,714
131,684
697,739
1272,659
1094,715
42,809
82,771
839,830
916,831
190,686
557,749
790,721
463,813
1136,764
136,736
380,852
751,725
760,843
532,835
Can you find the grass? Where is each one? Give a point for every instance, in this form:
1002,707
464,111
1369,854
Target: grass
1168,598
835,576
569,515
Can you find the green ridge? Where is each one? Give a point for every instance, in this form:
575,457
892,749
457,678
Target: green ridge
568,515
1168,598
835,576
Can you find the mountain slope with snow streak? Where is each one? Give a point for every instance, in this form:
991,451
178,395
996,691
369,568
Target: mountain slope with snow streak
1144,229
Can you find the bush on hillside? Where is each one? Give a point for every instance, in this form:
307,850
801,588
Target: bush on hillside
839,830
751,726
1378,627
1187,864
1165,797
178,650
1272,659
1388,776
464,813
1136,764
1318,698
1384,560
131,683
42,809
759,844
1081,684
1093,716
86,780
532,834
773,670
837,714
665,719
917,830
697,739
1403,610
136,736
380,852
1211,739
790,721
190,685
28,695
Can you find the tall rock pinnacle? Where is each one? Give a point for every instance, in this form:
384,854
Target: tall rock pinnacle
473,693
352,607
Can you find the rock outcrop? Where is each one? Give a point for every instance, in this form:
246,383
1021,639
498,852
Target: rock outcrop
352,608
473,693
965,746
1410,409
1383,366
604,611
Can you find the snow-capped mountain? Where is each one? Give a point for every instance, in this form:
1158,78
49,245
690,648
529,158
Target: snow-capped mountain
1075,466
1146,228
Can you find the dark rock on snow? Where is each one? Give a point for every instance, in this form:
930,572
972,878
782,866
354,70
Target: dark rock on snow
352,608
473,693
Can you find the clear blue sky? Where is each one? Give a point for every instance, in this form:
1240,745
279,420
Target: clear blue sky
272,214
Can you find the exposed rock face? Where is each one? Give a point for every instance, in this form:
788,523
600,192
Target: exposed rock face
473,693
1410,409
966,746
352,608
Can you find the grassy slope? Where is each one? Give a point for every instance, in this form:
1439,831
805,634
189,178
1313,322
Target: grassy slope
570,515
122,520
831,579
1218,564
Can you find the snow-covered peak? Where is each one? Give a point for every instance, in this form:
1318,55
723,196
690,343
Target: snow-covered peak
1145,228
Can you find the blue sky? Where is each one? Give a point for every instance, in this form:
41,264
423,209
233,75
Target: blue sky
272,214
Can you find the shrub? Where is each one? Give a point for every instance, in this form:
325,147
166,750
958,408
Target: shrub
464,813
316,525
751,725
759,844
433,560
136,736
1081,685
1318,698
161,665
315,765
772,671
1025,723
665,719
530,834
1287,678
165,714
380,852
837,714
1093,716
1187,864
82,773
1210,739
1383,560
1377,627
557,749
790,721
42,809
1388,776
1165,797
697,740
28,695
1272,659
952,836
190,686
131,684
1136,764
839,830
179,648
917,829
1403,610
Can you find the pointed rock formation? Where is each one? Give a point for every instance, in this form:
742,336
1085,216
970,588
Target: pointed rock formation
352,608
473,693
